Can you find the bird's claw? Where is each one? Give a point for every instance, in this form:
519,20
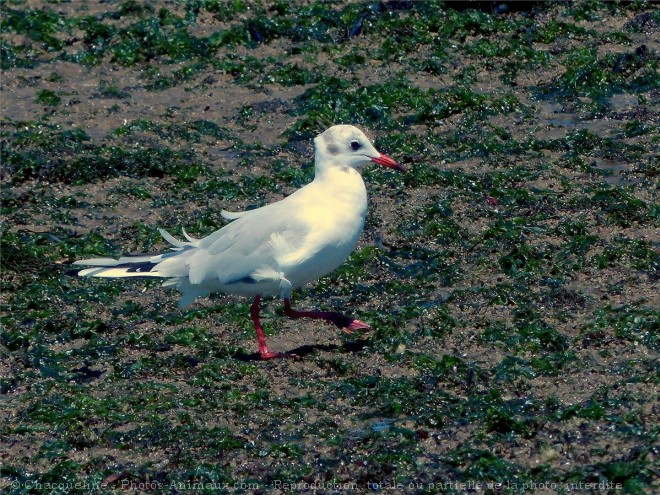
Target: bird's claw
270,355
276,355
355,325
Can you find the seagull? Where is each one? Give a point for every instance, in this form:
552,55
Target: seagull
272,250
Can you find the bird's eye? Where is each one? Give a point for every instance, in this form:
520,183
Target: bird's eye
355,145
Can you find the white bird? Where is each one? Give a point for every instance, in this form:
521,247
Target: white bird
270,251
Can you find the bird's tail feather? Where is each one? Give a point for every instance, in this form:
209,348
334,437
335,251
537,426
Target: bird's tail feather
110,268
142,265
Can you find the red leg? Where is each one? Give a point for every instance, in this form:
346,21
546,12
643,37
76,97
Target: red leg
347,324
261,338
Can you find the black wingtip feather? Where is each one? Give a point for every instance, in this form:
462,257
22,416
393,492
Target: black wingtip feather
142,267
130,268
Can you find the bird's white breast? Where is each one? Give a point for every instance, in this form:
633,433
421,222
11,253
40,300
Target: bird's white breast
334,205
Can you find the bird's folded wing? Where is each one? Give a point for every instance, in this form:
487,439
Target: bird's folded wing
252,244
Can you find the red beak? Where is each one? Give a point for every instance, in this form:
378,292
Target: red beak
386,161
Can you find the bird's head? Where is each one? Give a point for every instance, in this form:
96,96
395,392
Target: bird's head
347,146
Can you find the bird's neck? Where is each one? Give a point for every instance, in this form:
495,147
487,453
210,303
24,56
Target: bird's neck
341,182
337,174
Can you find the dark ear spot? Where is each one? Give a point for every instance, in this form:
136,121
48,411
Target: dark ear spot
333,149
